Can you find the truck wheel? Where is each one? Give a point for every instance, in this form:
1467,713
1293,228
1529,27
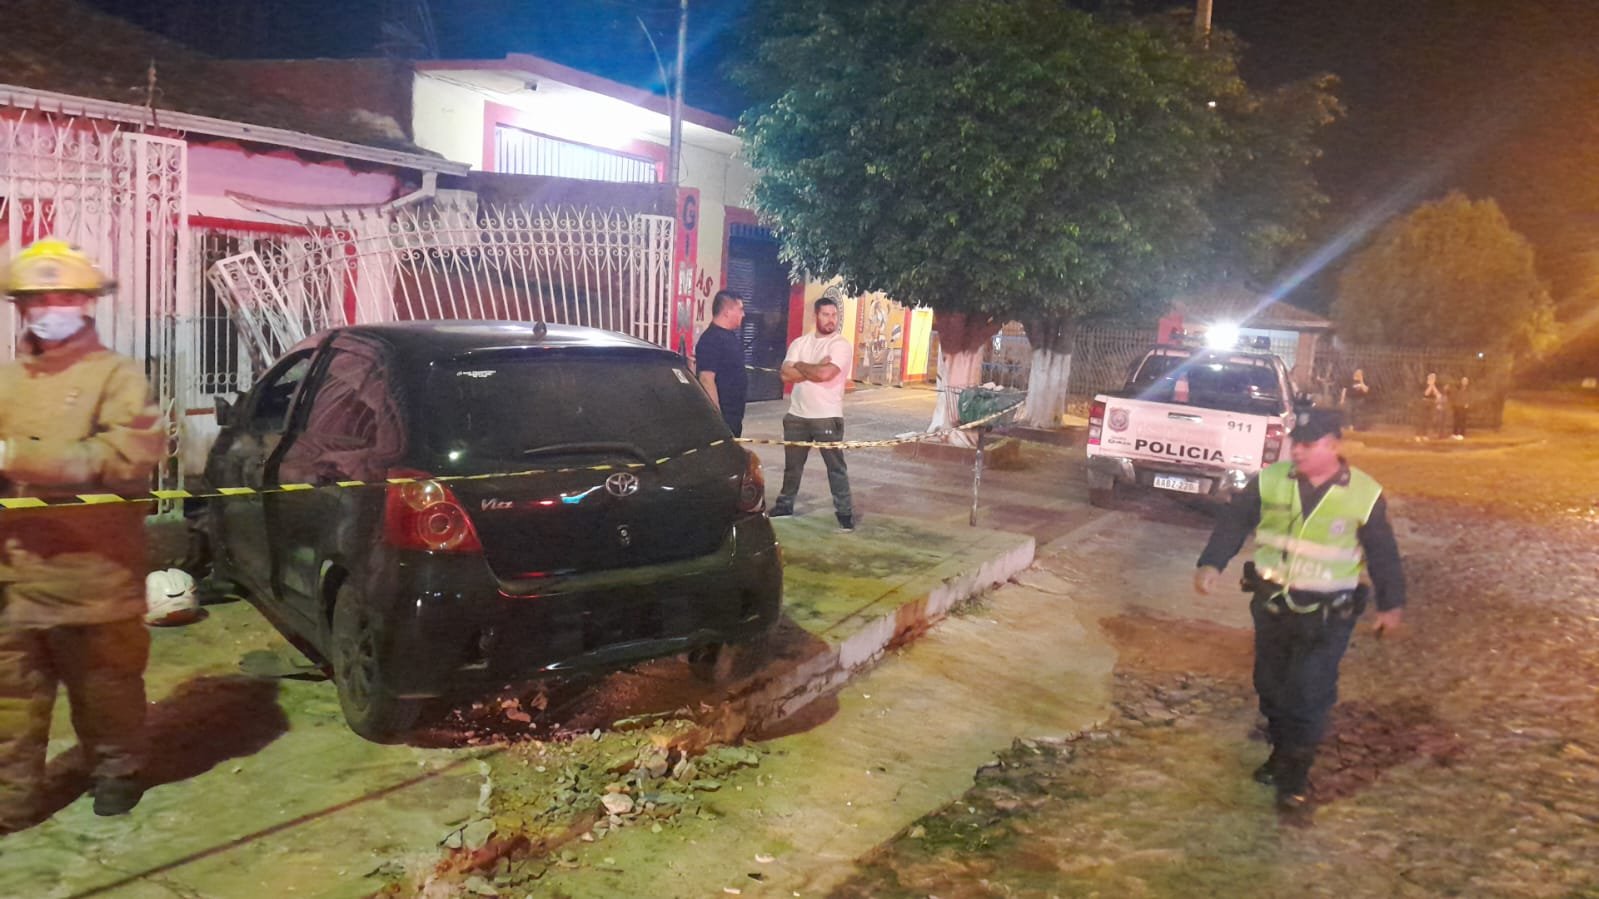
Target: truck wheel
358,672
1103,497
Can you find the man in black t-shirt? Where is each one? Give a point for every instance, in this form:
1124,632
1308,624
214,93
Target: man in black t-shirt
719,359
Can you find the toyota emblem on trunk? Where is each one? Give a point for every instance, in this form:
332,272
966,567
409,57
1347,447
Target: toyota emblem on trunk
622,484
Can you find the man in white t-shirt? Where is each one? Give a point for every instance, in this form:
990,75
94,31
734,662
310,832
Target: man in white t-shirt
818,365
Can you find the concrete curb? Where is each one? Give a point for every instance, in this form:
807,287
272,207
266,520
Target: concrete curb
791,687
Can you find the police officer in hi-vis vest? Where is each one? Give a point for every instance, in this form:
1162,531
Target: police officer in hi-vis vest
1319,525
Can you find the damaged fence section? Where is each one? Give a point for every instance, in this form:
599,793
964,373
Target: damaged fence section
603,268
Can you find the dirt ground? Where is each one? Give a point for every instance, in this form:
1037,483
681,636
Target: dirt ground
1464,754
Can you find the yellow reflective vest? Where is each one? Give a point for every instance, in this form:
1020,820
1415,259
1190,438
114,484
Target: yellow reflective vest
1319,552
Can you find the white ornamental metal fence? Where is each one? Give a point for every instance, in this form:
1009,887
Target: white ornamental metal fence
602,268
122,197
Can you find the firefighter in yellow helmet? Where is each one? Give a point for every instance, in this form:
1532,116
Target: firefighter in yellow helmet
74,418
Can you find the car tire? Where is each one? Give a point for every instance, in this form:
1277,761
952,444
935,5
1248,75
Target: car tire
723,663
370,708
1103,497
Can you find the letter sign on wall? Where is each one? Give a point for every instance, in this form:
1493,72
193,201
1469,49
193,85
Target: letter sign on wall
685,260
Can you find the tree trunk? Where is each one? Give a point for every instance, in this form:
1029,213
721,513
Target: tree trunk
960,364
1050,372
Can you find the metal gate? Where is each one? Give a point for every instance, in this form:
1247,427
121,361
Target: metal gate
123,198
603,268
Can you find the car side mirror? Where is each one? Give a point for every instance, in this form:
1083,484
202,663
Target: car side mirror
225,412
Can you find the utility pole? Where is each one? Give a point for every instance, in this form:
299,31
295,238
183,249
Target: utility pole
1201,19
675,163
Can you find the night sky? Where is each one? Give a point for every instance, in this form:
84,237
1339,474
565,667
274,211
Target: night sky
1499,97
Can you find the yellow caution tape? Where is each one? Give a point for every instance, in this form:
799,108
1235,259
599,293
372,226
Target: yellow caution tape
896,441
99,499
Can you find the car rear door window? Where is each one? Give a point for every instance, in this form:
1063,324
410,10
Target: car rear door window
275,394
354,427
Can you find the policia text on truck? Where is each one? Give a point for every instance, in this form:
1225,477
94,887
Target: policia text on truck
1319,526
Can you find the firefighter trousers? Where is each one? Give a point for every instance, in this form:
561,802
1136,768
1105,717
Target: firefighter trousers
102,667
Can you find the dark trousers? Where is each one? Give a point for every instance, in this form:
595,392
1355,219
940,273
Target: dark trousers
821,430
102,666
1296,676
735,423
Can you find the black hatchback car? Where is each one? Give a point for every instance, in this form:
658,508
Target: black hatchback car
642,535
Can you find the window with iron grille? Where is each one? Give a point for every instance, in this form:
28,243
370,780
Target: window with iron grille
518,152
223,365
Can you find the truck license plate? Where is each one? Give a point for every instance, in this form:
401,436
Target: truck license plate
1179,484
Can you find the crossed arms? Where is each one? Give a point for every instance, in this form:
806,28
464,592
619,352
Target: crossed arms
824,370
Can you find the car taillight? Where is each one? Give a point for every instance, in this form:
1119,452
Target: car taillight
1096,421
752,486
1274,444
423,514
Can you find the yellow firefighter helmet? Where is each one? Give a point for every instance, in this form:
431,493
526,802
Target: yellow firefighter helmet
53,265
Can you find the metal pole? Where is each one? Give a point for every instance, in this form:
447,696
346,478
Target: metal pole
1201,18
675,164
977,475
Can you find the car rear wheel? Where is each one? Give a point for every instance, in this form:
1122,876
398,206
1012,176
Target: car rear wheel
1103,497
370,708
723,663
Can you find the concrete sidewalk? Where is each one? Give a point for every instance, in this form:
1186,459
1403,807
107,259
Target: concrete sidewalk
262,790
1045,497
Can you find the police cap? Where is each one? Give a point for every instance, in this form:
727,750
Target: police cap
1311,425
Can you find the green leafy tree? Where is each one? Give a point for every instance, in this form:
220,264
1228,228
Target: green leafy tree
999,159
1452,273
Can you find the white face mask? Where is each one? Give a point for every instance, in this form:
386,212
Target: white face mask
56,322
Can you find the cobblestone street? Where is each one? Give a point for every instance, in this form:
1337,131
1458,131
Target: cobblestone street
1464,758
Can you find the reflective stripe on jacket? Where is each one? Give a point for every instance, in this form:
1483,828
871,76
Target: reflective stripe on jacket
76,418
1321,552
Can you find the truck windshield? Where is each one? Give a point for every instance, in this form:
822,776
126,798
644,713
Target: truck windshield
1210,382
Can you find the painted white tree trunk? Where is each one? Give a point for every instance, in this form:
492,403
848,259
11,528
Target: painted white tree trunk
955,372
1046,388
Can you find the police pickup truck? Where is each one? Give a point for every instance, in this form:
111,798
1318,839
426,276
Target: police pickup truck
1190,420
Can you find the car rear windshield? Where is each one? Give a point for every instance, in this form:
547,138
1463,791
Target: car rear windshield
1233,384
551,406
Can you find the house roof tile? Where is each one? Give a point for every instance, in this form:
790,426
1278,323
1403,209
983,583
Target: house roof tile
66,47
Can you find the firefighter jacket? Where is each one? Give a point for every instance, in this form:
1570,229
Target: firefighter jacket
76,419
1319,552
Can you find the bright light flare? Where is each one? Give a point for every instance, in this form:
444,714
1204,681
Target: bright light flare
1221,336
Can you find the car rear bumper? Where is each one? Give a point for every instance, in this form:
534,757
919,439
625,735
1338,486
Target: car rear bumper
1217,483
442,639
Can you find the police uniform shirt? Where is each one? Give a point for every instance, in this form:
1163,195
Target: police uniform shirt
1239,518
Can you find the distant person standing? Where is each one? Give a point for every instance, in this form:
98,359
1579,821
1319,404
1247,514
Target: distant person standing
1460,406
818,365
719,360
1430,411
1354,397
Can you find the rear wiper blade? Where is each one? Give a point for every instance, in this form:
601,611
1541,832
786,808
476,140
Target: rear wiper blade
588,448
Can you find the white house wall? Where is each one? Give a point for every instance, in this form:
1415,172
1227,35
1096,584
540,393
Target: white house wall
447,118
222,177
